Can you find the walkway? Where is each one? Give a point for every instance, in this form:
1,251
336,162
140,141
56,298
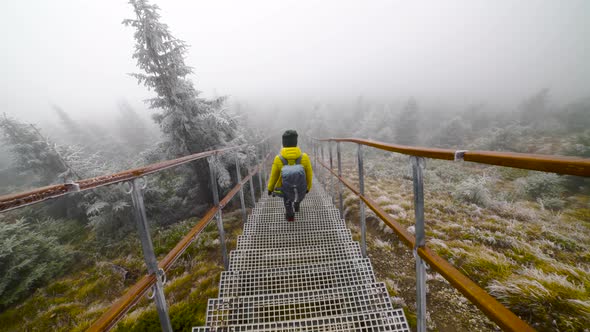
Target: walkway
307,275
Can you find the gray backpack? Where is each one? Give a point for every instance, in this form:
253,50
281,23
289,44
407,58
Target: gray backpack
294,180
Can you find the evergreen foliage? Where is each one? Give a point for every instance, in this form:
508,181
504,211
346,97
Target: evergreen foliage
27,260
406,126
507,138
534,109
189,122
73,131
580,146
452,134
576,116
133,130
32,153
541,185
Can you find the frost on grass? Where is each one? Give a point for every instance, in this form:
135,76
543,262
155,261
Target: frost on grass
395,211
383,200
474,190
548,298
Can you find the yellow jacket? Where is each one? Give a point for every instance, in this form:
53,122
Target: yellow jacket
291,154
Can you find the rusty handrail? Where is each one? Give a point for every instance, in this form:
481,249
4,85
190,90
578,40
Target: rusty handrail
132,296
536,162
37,195
493,309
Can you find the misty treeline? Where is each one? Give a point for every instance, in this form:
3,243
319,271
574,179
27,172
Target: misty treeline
537,124
45,240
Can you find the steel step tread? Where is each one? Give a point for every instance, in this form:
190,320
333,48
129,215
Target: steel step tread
319,200
296,278
293,239
309,201
328,302
333,242
292,227
390,321
303,210
296,228
257,259
322,215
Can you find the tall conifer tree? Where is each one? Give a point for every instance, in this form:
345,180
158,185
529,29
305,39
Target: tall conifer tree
190,123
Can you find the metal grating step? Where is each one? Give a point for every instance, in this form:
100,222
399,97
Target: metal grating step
325,215
306,275
306,204
309,199
331,302
280,257
296,278
281,209
278,240
292,227
389,321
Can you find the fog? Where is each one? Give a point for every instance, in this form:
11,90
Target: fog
461,75
77,53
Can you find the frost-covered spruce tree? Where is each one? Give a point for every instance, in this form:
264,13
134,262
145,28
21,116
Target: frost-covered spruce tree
133,130
73,131
189,122
32,153
44,161
406,126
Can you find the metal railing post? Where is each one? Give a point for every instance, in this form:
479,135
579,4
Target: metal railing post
262,159
417,167
323,161
332,191
340,175
264,171
362,204
252,191
149,255
218,216
315,157
319,158
260,180
239,178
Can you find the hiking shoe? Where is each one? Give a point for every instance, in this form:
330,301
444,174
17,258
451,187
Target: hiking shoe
297,206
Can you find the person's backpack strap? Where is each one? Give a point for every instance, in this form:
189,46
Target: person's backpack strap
285,162
298,161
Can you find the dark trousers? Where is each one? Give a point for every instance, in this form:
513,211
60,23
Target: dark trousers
289,205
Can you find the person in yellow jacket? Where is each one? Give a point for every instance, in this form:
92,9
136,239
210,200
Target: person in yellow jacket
290,154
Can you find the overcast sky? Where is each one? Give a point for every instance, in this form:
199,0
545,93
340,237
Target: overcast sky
76,53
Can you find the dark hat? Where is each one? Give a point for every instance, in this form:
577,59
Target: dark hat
289,138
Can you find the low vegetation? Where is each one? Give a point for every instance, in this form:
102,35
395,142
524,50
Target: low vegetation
75,300
523,236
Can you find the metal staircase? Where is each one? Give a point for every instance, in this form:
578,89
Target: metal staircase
307,275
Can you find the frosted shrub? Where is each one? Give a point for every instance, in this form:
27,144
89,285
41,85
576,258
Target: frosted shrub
541,185
551,203
473,190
